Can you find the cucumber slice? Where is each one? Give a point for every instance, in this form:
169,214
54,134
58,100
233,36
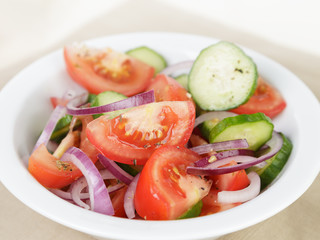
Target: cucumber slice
183,80
128,168
275,164
106,98
222,77
62,128
149,56
194,211
257,128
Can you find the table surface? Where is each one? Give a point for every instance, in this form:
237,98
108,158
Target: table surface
300,220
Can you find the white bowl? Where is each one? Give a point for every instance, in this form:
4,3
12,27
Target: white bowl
25,107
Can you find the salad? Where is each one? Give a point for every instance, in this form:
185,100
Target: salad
144,143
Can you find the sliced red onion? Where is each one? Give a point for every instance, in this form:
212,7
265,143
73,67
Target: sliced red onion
134,101
129,198
117,171
221,146
99,196
214,168
57,113
213,115
77,187
242,195
224,154
52,146
176,67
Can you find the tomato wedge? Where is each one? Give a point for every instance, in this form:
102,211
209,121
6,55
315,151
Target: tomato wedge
265,99
50,171
117,200
168,89
133,136
106,70
164,190
231,181
211,205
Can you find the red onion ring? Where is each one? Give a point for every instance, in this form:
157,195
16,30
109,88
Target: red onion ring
275,144
242,195
44,138
117,171
224,154
221,146
176,67
134,101
129,198
213,115
99,196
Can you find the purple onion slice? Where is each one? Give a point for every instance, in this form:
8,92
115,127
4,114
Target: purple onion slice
177,67
129,198
242,195
44,138
213,115
117,171
221,155
134,101
221,146
99,195
214,168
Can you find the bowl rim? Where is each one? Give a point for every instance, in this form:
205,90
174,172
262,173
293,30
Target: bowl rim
96,224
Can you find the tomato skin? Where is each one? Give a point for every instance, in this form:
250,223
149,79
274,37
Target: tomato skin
117,200
168,89
211,205
45,168
49,170
81,71
224,182
132,137
231,181
266,99
164,189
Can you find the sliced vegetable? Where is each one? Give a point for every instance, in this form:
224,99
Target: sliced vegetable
99,196
106,70
165,190
183,80
266,99
133,136
194,211
255,128
137,100
129,198
149,56
215,117
222,77
167,89
108,97
214,168
275,164
174,68
242,195
120,174
221,146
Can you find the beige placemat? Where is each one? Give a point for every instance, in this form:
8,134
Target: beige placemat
301,220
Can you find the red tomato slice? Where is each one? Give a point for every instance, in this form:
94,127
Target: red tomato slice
133,136
50,171
167,89
231,181
164,190
103,70
117,200
266,99
211,205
